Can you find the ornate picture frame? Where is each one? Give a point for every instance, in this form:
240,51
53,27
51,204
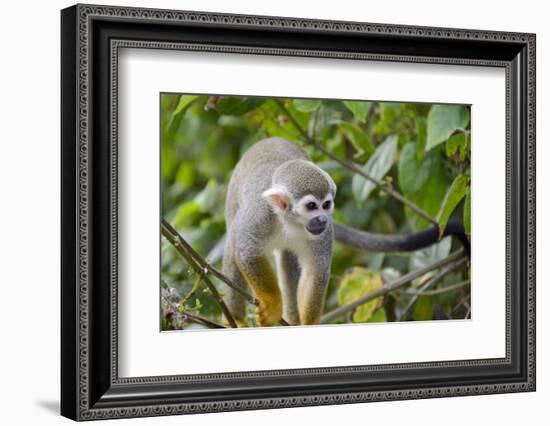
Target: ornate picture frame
91,37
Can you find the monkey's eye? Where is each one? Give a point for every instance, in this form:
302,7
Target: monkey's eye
326,205
311,206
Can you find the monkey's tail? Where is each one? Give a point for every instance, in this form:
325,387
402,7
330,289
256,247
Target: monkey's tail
393,243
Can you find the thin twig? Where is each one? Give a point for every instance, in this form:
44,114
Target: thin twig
193,289
314,127
355,168
390,287
468,311
429,284
176,240
439,290
201,320
462,302
180,241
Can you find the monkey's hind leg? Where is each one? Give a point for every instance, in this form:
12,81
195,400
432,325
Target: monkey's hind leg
260,277
235,302
288,270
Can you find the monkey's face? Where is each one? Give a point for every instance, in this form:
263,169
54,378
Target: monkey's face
310,213
302,197
315,214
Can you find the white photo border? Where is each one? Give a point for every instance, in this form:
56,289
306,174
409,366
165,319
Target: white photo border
132,341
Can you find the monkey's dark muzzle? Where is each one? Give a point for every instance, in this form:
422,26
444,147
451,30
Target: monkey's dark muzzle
317,225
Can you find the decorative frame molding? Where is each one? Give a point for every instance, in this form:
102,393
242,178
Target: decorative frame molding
91,37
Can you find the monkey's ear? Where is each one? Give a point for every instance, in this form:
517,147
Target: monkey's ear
278,198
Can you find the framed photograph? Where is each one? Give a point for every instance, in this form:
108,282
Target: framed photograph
263,212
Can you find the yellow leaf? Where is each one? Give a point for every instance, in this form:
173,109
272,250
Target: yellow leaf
358,282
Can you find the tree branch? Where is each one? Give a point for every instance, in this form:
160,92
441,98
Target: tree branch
176,240
325,319
355,168
468,311
202,267
193,289
440,290
429,284
201,320
175,318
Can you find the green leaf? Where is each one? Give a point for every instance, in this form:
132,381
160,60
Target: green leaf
231,121
198,305
168,160
453,143
429,255
383,223
467,218
359,109
237,105
167,100
465,148
411,172
377,166
210,197
356,283
185,175
459,143
187,215
423,182
174,121
375,261
456,192
184,102
390,111
357,137
378,316
423,309
389,274
429,200
443,121
420,123
306,105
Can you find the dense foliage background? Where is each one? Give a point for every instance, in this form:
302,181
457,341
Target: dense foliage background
421,150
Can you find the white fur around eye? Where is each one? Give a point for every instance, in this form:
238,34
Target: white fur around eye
302,209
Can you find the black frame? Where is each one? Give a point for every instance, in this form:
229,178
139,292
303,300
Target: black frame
91,37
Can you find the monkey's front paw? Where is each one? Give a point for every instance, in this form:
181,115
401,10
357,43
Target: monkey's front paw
268,314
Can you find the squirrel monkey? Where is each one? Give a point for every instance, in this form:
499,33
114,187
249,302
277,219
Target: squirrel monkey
280,202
